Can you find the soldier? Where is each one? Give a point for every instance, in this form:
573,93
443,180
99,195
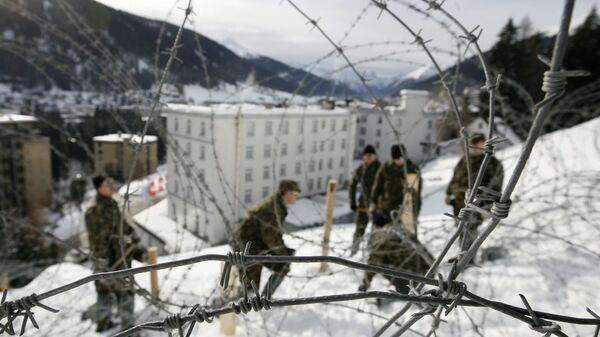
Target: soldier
455,193
393,246
102,222
389,187
263,227
364,176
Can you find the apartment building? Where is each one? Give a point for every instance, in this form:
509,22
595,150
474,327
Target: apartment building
25,166
114,154
415,124
224,158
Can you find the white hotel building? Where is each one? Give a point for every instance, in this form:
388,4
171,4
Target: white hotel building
239,152
416,126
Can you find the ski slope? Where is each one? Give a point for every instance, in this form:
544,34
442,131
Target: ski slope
551,240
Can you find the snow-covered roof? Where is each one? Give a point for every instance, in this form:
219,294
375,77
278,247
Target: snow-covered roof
254,109
15,118
121,137
409,92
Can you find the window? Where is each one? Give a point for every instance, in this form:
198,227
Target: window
341,179
188,170
282,170
364,119
428,137
267,153
284,150
249,152
429,124
361,142
298,169
323,124
333,125
269,128
176,187
202,152
201,175
265,191
300,127
300,148
188,126
343,144
322,146
363,130
320,164
266,172
377,145
379,120
330,163
202,129
176,124
315,126
188,149
345,125
248,196
342,160
311,166
285,127
319,183
189,193
314,147
311,184
332,145
378,133
250,129
248,177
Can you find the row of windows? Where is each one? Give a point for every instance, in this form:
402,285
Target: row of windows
283,171
363,119
284,127
283,148
363,131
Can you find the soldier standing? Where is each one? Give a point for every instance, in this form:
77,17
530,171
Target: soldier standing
363,176
393,246
102,222
455,193
390,185
263,227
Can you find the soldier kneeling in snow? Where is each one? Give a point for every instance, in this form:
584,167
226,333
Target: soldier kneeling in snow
263,227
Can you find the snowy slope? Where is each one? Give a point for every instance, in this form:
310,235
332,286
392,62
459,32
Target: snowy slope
551,236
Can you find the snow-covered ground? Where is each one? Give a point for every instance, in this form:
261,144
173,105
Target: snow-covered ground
551,237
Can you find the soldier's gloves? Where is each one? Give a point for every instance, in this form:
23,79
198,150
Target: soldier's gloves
139,253
353,207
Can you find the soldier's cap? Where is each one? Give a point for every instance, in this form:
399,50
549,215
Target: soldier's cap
369,149
98,180
397,151
288,185
476,138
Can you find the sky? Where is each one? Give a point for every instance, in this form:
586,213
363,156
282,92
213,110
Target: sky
274,28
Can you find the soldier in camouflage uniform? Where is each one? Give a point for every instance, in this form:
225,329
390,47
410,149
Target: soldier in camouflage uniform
389,187
263,227
364,176
455,193
391,245
102,222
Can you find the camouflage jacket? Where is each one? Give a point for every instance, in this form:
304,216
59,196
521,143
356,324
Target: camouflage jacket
102,223
492,178
389,187
365,176
262,225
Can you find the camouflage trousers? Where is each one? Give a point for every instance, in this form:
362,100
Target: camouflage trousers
254,272
361,220
123,298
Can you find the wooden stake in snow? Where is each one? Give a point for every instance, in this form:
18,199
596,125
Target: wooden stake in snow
3,281
331,187
227,321
152,259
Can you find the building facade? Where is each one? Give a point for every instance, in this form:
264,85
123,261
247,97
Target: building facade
25,166
416,127
224,158
114,154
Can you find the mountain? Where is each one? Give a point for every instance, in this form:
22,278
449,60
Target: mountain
84,45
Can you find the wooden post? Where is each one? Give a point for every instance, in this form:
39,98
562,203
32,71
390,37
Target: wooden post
408,212
152,259
227,321
3,281
331,187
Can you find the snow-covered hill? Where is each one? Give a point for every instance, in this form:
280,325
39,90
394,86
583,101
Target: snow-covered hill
551,239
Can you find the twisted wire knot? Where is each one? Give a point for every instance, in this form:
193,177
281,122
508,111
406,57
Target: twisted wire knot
256,303
500,210
173,322
547,329
451,288
554,82
21,307
201,315
237,259
466,214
